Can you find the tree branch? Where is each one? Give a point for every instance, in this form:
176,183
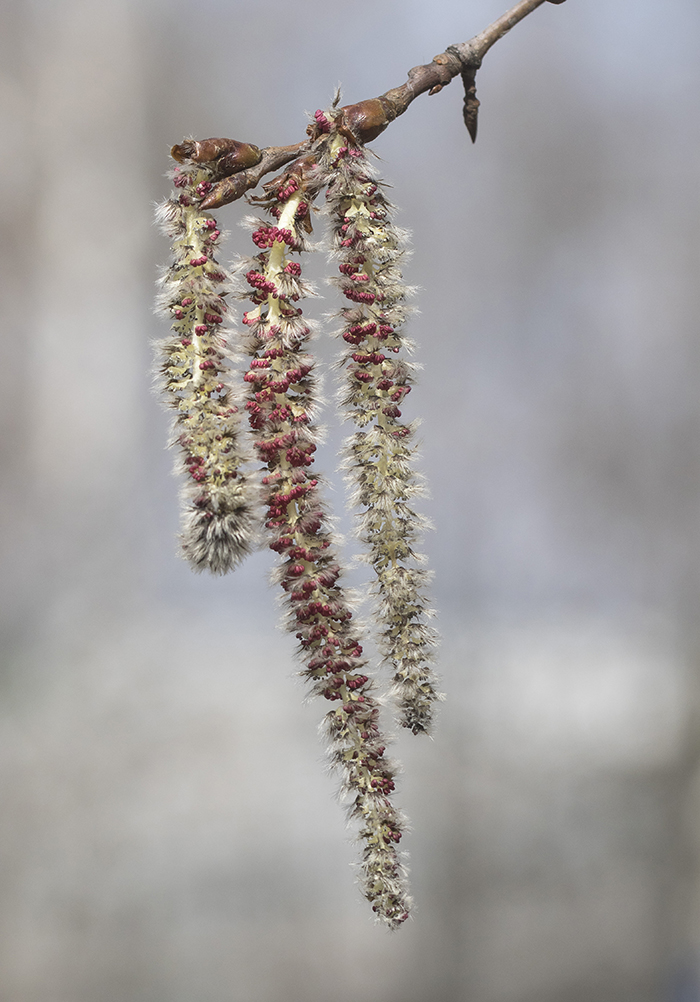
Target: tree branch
236,185
368,119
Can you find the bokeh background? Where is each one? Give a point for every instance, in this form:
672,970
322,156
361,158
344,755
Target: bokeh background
168,832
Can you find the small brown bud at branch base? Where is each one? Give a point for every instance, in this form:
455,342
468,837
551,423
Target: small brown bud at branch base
231,154
367,119
226,191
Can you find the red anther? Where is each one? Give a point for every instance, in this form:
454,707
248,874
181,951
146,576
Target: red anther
385,330
185,342
268,235
359,276
279,414
213,318
260,363
203,188
298,458
391,411
353,338
214,235
289,189
278,386
187,301
293,268
258,281
302,210
197,262
322,122
283,543
201,329
359,297
178,314
207,365
209,224
385,384
362,359
364,377
296,569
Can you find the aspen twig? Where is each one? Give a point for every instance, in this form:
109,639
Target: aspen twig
367,119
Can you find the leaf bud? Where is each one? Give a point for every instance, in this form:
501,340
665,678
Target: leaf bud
230,154
368,119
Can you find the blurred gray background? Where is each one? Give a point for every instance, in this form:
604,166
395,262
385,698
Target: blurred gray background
167,830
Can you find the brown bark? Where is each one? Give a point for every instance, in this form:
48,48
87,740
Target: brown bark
368,119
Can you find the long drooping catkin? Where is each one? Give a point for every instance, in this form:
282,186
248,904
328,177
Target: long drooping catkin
379,458
280,406
218,526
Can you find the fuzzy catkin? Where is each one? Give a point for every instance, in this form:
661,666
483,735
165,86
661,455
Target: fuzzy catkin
379,457
219,513
281,399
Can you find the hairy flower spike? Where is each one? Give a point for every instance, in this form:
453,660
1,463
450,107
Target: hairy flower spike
379,457
280,405
219,517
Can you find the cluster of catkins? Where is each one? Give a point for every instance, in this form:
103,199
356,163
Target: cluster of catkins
228,506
